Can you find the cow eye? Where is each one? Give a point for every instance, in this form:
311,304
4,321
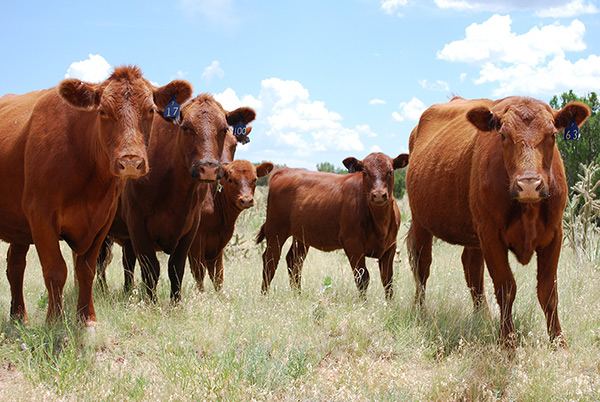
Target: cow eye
503,136
391,172
151,111
554,136
102,112
230,180
364,174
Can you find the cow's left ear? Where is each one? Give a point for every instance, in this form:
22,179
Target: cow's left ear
79,94
243,114
484,119
180,89
577,111
264,169
400,161
353,165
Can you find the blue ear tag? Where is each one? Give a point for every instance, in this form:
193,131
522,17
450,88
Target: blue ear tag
239,130
172,109
572,131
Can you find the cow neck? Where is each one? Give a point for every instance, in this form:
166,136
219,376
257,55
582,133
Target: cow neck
381,217
92,148
226,206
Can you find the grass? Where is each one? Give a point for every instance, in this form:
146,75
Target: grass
324,345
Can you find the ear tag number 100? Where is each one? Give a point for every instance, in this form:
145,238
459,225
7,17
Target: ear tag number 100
572,131
172,109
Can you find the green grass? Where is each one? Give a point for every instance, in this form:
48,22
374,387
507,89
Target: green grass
324,345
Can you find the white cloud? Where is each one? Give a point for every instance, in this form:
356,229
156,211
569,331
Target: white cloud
409,111
218,12
212,71
390,6
542,8
93,69
376,101
438,85
533,63
294,122
375,148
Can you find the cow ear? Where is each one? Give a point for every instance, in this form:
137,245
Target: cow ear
572,111
264,169
353,165
484,119
243,139
79,94
400,161
180,89
225,167
243,114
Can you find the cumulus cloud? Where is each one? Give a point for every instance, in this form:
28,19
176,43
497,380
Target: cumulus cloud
531,63
294,123
438,85
542,8
390,6
93,69
376,101
212,71
409,111
217,12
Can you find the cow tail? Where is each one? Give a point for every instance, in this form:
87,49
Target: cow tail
260,236
411,249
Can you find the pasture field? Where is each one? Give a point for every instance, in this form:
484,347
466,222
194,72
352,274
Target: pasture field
323,345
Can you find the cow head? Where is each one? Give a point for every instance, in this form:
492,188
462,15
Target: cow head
125,104
527,129
203,134
230,146
239,181
378,175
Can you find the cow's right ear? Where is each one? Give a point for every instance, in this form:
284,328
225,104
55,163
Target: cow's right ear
79,94
400,161
484,119
353,165
264,169
180,89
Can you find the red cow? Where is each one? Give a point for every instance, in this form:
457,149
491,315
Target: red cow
219,212
162,211
356,212
488,175
65,156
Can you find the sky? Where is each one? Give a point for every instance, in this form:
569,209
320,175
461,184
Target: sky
328,79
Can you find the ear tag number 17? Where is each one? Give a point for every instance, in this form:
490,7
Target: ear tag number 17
572,131
172,109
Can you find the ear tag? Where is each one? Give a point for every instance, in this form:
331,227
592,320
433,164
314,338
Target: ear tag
239,130
172,109
572,131
219,187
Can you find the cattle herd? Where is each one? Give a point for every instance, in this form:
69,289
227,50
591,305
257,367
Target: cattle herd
121,161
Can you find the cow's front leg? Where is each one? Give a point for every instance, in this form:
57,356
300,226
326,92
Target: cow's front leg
15,271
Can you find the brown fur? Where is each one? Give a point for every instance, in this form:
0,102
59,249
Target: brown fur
329,212
65,155
487,175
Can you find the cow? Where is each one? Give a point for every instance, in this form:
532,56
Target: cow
162,210
355,212
219,212
487,175
65,157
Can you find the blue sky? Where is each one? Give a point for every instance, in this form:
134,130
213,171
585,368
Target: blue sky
328,79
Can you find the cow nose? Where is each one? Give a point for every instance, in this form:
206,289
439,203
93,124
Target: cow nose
246,202
207,171
530,189
379,196
131,166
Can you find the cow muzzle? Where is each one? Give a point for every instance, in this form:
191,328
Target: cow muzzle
131,166
207,171
529,189
379,197
246,202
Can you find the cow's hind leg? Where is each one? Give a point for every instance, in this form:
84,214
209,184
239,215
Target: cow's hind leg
295,259
195,259
215,271
15,271
104,258
270,260
418,244
129,260
472,259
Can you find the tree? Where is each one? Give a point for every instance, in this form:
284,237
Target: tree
586,150
399,183
329,167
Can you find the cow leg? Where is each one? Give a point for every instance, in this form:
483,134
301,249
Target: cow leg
386,270
270,260
295,259
359,267
104,258
496,258
418,244
472,260
129,260
195,258
547,264
15,271
215,271
177,263
150,268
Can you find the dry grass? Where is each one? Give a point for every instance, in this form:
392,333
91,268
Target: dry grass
324,345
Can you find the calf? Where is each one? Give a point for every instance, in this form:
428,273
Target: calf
356,212
487,175
219,211
162,211
65,157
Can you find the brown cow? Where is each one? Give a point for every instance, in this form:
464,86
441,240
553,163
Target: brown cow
356,212
65,156
219,211
488,175
162,211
